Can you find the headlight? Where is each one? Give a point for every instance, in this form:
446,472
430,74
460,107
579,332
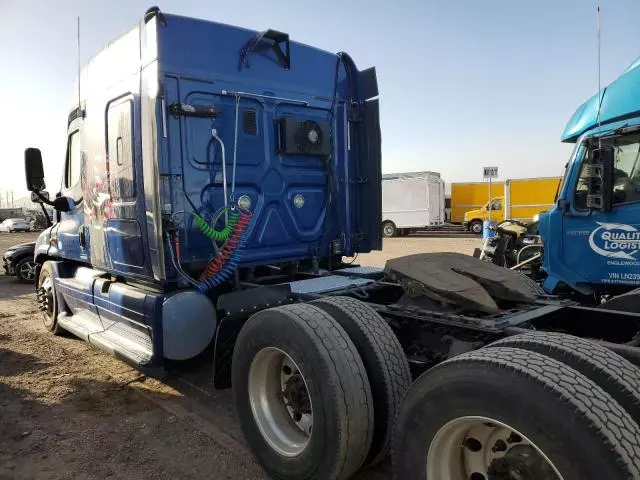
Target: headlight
9,253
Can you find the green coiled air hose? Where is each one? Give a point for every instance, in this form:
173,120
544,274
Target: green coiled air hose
216,235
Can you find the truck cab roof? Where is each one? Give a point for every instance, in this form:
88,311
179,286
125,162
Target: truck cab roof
620,100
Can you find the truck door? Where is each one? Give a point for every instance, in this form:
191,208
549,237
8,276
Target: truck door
497,210
123,210
603,247
435,202
71,238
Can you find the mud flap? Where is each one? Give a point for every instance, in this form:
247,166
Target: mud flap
459,279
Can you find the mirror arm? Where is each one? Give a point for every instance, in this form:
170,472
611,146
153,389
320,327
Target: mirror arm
46,215
61,204
43,199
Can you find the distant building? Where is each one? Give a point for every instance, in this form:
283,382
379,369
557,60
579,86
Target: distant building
11,213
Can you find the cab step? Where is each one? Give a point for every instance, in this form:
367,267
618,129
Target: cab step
129,344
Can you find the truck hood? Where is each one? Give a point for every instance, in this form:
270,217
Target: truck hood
471,214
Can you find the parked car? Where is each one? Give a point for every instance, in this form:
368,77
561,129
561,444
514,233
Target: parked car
15,225
18,261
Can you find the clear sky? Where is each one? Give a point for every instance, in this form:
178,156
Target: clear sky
463,83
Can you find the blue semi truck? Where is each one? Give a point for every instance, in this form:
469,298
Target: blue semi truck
216,178
591,236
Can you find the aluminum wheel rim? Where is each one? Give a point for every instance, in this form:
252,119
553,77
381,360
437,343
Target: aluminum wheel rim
476,228
283,427
388,230
468,447
28,270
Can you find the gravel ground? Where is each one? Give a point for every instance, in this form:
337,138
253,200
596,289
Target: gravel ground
398,247
70,411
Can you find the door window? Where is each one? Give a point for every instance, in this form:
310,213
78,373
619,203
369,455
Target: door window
72,174
626,174
496,204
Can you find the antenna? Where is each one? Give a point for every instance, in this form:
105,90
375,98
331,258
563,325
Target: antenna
79,67
600,96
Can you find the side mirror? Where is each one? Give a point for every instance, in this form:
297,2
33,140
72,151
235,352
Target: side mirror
33,169
38,199
600,178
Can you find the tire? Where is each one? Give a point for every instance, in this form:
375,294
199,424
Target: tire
611,372
335,379
389,229
26,270
535,287
47,299
475,227
384,360
582,430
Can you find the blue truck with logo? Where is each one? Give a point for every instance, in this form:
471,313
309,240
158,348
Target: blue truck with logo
218,184
591,236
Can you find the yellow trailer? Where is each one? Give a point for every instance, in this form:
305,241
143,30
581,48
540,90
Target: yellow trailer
526,197
471,196
516,199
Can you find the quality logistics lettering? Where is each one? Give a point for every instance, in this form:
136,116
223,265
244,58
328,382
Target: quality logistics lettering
615,240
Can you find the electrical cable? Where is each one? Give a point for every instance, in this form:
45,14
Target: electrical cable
189,200
354,259
176,264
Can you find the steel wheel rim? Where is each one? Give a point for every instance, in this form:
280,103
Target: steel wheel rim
476,228
28,270
468,448
388,230
47,300
274,378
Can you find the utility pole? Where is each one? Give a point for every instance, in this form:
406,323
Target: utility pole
12,205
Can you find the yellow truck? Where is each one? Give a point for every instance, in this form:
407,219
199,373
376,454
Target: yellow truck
471,196
516,199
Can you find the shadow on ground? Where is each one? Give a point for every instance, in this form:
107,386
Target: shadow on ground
58,425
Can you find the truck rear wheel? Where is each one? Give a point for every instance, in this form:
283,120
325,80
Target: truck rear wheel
506,413
301,394
388,229
611,372
384,360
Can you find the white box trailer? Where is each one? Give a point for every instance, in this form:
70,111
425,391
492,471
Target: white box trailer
410,201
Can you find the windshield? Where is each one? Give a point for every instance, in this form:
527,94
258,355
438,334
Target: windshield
565,172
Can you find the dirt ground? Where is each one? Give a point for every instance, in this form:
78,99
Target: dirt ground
398,247
68,410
